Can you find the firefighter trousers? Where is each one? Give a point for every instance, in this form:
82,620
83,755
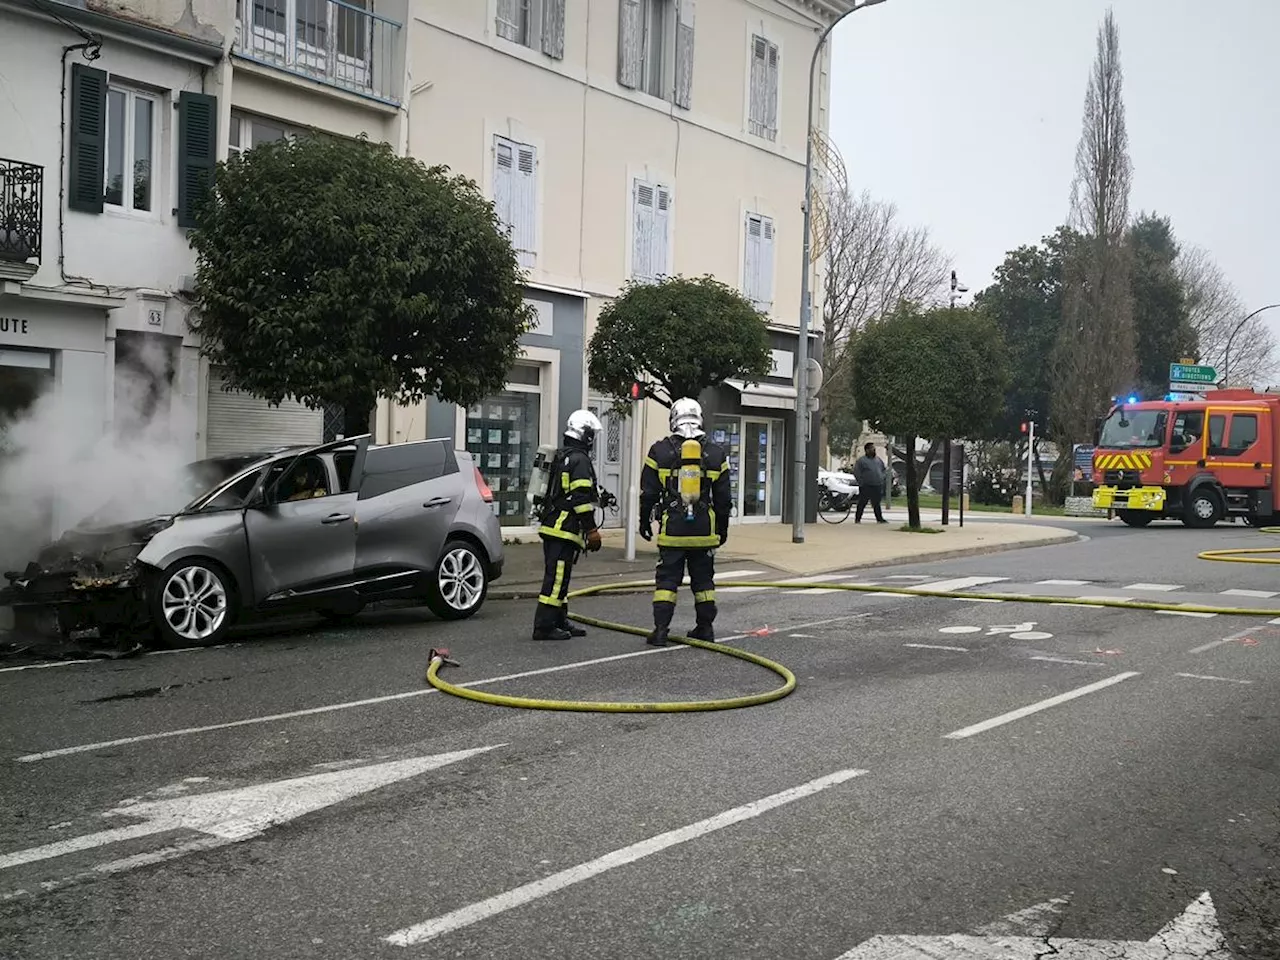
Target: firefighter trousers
672,562
558,558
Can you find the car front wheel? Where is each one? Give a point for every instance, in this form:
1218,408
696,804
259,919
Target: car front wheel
192,602
460,582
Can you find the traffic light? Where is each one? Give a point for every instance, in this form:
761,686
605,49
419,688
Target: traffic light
1023,426
637,390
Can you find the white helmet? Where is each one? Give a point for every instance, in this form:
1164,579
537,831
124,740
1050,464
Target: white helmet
686,418
583,425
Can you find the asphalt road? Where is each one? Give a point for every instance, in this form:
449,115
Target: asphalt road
922,780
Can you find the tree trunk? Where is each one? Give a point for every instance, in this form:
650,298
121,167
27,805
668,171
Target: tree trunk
930,455
913,486
357,417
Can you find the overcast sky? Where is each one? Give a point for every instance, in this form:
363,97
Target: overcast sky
966,113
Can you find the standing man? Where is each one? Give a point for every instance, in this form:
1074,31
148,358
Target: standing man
690,499
869,471
568,525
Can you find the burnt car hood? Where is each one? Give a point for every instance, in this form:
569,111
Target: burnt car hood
86,554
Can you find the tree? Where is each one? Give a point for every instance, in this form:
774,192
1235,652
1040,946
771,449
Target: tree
940,373
873,263
1096,353
334,272
681,335
1161,324
1214,310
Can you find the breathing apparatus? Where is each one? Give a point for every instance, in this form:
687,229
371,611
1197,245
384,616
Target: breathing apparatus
686,421
582,426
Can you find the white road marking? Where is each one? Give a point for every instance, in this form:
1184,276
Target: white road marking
897,596
1260,594
1079,606
1276,620
46,666
1062,583
1187,613
347,705
740,589
979,599
908,576
1031,635
1158,587
961,583
1217,643
1201,676
819,578
529,892
1078,663
1027,711
959,629
935,646
1113,599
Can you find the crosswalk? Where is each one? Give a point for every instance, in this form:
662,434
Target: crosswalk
1078,596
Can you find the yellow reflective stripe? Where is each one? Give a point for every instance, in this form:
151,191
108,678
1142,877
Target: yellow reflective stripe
564,480
664,596
667,540
554,599
713,475
663,473
578,484
650,462
584,508
561,534
705,596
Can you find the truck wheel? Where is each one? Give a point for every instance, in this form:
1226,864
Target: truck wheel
1204,509
1136,518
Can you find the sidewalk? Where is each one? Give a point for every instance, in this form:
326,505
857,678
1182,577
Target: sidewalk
827,548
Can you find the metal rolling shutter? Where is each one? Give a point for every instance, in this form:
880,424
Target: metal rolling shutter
240,423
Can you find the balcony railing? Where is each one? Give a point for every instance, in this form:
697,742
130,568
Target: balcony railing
340,43
21,191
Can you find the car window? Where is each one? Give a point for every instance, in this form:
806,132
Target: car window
400,465
344,462
1188,428
303,479
1244,433
236,495
1217,426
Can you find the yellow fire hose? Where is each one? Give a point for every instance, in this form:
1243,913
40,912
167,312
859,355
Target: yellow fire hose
440,658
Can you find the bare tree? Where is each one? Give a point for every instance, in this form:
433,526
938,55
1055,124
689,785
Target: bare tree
1096,353
1214,310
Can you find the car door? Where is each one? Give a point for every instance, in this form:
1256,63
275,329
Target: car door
302,546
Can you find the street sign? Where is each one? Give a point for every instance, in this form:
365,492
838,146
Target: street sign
1082,456
1189,386
1192,373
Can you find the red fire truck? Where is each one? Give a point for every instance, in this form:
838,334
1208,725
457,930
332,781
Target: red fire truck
1198,461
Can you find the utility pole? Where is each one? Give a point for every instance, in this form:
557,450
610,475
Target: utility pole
1031,446
631,516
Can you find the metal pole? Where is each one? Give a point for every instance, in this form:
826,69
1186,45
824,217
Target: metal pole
1031,445
633,482
806,297
946,482
964,481
1226,356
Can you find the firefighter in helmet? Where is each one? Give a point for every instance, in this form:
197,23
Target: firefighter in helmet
685,488
568,525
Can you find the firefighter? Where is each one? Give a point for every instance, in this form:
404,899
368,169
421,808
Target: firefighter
685,488
568,525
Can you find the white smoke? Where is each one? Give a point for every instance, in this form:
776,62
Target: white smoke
59,462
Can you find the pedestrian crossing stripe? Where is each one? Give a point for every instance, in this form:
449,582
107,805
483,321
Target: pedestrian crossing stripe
1122,461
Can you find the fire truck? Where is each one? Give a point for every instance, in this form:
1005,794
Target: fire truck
1197,460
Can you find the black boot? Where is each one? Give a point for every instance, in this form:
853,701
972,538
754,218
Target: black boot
550,633
658,638
571,628
703,631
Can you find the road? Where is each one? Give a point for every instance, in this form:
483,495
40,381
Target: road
1103,777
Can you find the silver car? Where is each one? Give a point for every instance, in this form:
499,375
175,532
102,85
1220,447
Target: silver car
327,528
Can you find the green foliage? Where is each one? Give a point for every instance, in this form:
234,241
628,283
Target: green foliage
681,335
844,426
334,272
1160,315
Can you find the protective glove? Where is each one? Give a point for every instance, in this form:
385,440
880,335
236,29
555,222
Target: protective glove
593,541
723,534
646,528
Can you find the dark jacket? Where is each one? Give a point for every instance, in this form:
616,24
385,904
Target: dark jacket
660,498
574,495
869,471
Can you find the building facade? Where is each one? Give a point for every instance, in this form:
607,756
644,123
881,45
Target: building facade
625,140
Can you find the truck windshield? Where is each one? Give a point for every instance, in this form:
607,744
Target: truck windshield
1129,429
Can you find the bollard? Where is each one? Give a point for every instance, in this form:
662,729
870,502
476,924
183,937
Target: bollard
1017,505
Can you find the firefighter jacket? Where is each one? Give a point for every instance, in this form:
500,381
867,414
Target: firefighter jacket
660,498
571,513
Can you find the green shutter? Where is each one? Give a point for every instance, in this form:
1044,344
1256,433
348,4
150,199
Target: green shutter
88,138
197,151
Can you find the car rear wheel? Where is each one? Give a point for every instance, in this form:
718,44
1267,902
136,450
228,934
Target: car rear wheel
1204,509
193,602
460,582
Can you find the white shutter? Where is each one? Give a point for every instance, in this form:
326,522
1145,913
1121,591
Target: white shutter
510,16
242,423
662,233
759,61
524,205
553,28
503,181
771,94
764,292
751,263
642,228
684,53
630,43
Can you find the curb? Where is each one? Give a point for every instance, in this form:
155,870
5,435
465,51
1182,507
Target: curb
531,593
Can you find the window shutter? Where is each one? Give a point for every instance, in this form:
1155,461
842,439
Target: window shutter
504,183
642,231
764,296
197,151
630,39
661,233
684,53
751,264
87,155
771,94
508,20
759,54
524,205
553,28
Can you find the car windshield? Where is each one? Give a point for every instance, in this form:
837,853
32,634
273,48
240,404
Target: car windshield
201,478
1130,428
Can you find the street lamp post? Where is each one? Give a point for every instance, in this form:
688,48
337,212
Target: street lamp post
806,296
1226,356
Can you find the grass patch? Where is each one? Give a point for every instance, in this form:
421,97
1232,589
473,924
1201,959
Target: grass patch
933,501
907,528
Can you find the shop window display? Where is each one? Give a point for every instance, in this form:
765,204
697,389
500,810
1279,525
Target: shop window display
502,436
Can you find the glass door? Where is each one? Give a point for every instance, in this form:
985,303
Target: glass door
727,432
756,452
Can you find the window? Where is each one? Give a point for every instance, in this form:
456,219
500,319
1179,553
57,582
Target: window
248,132
400,465
655,48
536,24
502,434
757,271
1188,428
763,116
650,230
515,195
130,149
329,39
1217,426
1244,433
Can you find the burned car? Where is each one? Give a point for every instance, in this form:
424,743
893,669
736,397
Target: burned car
328,528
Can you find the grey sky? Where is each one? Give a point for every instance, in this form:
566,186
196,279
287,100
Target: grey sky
966,113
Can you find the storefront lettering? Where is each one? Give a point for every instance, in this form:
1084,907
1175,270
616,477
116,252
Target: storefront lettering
14,327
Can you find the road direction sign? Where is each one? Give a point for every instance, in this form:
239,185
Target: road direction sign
1189,386
1192,373
1194,935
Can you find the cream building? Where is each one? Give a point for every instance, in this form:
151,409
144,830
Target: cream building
625,139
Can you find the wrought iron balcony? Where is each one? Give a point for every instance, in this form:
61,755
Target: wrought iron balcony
339,42
21,192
